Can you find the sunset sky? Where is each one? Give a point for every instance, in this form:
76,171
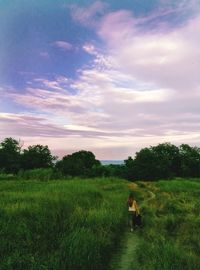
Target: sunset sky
111,77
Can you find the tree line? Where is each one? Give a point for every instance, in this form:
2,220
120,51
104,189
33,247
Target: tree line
163,161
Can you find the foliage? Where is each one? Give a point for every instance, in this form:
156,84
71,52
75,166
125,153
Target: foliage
44,174
164,161
6,176
9,155
36,156
78,164
190,161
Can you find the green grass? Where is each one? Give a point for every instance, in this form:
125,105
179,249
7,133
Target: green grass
171,235
71,224
77,224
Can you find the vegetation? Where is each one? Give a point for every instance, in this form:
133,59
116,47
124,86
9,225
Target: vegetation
78,164
9,155
77,224
164,161
170,238
36,156
71,224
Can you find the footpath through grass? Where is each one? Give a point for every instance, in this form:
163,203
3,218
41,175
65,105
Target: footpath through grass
170,238
125,257
59,225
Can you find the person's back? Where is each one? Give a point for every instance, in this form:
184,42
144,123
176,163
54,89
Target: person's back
133,211
133,205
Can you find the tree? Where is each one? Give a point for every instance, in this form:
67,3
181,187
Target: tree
37,156
168,160
129,168
144,165
155,162
10,155
190,161
78,164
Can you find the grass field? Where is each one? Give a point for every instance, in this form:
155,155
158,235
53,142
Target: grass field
71,224
79,224
171,235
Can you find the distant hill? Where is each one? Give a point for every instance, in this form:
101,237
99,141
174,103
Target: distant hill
114,162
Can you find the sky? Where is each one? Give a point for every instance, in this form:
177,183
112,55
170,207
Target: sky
111,77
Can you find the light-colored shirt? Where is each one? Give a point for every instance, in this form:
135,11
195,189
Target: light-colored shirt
134,207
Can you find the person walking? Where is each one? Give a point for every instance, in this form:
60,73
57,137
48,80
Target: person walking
133,211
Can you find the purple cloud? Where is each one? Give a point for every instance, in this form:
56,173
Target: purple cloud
63,45
88,16
141,87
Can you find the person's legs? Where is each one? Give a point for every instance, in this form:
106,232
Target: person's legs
130,222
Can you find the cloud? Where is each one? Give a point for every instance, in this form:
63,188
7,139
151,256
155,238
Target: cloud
89,48
89,15
58,83
140,88
63,45
103,107
166,58
33,125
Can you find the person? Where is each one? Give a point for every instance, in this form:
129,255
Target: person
133,211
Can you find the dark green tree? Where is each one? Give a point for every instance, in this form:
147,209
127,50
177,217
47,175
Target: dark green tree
190,161
37,156
143,166
129,172
155,162
167,160
10,155
78,164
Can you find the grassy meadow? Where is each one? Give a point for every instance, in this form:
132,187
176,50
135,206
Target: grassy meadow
79,224
71,224
170,238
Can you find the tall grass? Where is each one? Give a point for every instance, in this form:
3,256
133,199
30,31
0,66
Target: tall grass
171,235
71,224
43,174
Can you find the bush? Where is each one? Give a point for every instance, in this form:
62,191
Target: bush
36,174
6,176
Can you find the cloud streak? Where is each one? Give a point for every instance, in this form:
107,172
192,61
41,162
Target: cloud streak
63,45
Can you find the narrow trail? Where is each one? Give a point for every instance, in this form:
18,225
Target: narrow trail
124,257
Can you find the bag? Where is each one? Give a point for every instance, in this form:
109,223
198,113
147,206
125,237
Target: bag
138,220
130,202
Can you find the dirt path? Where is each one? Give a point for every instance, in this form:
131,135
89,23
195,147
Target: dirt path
124,257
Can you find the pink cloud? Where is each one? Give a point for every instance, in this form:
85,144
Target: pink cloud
63,45
141,90
89,48
87,15
167,59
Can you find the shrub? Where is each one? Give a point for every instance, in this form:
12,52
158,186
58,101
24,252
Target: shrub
36,174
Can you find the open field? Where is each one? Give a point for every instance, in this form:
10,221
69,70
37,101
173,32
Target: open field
79,224
71,224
